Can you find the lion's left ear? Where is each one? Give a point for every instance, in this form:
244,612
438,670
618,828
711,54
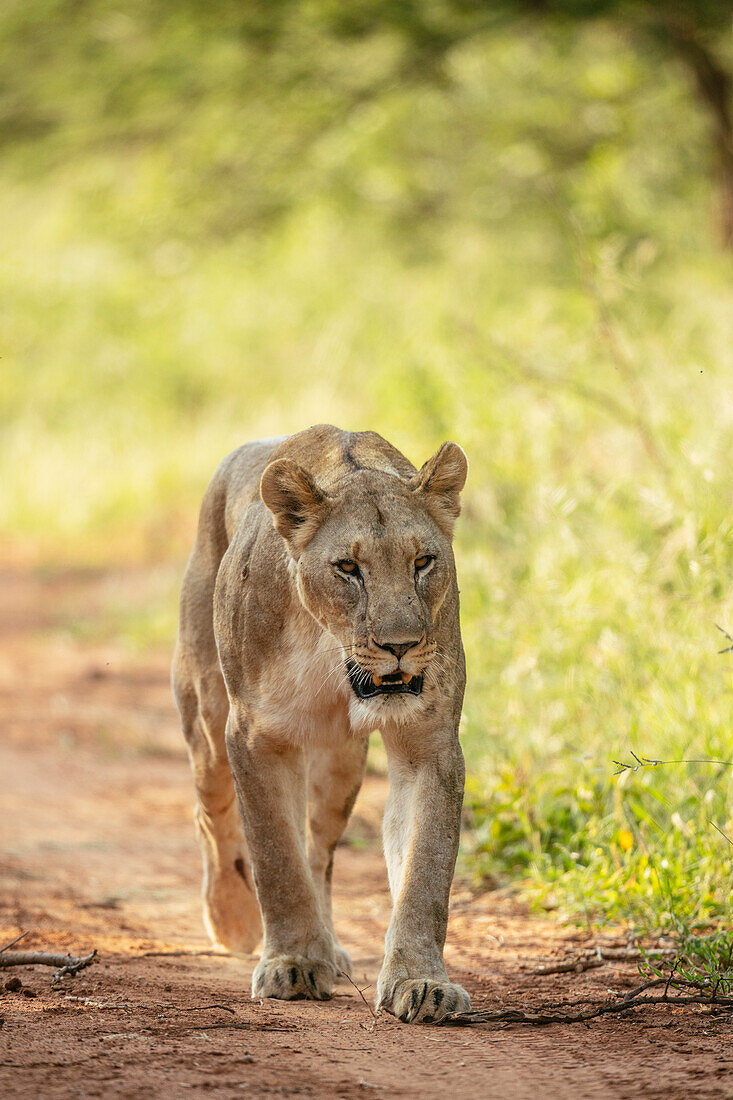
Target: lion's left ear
440,482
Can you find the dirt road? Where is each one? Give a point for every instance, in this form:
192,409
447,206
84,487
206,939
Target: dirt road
99,852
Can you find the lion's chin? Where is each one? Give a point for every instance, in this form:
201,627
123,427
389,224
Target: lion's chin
366,686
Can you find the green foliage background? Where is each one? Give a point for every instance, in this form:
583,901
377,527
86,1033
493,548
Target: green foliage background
229,220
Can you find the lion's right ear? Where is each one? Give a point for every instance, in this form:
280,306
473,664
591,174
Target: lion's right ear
298,506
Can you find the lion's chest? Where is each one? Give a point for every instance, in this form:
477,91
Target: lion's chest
303,694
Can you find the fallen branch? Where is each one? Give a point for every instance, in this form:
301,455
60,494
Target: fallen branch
68,964
554,1014
91,1003
571,966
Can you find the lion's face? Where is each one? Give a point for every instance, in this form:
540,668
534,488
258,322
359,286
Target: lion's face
373,562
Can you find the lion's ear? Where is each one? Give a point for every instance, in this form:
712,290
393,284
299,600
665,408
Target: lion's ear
440,482
298,506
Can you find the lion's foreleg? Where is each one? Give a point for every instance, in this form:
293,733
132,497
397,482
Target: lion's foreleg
298,958
421,831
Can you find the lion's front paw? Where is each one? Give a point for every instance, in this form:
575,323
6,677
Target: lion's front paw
424,1001
293,978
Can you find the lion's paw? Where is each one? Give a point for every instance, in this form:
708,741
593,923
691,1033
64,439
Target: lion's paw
423,1001
293,978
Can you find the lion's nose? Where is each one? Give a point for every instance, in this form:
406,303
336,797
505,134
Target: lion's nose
398,648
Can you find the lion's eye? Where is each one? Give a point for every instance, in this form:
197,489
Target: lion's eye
423,562
348,567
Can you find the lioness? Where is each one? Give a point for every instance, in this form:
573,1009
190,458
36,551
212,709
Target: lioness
320,602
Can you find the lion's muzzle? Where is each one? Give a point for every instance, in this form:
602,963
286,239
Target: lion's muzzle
367,686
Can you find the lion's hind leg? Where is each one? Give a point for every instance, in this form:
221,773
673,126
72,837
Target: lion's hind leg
231,913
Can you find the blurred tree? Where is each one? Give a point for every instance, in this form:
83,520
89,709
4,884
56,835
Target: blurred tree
691,30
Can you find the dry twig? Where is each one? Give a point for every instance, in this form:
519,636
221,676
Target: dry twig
374,1015
12,943
89,1002
68,964
650,762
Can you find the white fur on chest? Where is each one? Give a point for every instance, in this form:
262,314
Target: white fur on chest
304,696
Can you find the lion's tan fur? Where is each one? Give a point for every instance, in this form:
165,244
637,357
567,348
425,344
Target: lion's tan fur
267,623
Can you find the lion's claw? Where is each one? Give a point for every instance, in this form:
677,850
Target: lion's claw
423,1001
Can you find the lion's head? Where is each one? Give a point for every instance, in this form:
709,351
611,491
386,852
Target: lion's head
373,561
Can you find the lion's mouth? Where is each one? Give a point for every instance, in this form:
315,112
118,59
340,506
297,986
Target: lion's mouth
367,686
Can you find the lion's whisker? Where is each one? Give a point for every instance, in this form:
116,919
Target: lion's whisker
329,674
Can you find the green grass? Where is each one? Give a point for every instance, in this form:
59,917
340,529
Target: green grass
523,262
703,963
